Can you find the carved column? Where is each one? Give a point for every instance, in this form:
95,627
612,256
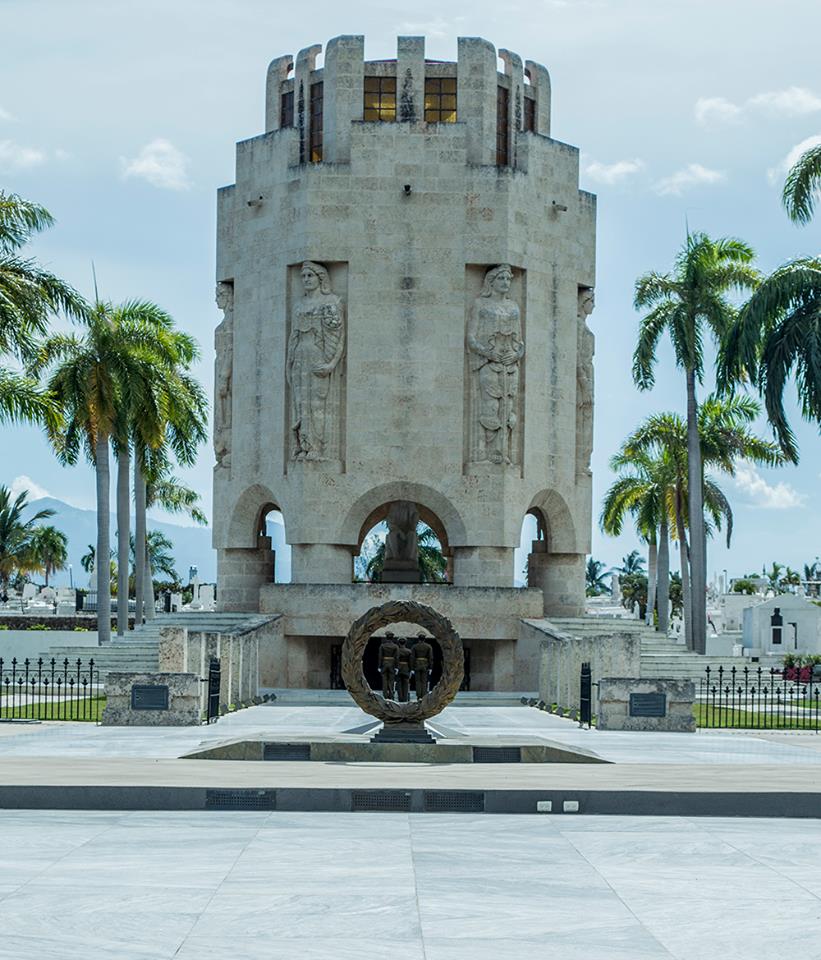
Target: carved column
277,72
540,83
344,76
224,375
410,79
305,63
515,71
476,97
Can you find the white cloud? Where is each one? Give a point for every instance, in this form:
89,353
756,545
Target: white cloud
776,173
718,109
5,115
159,163
613,172
693,175
13,156
24,484
778,496
793,101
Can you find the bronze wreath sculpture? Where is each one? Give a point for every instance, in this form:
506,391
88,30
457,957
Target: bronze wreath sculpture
453,662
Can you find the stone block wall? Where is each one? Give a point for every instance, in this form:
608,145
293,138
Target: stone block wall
613,709
184,700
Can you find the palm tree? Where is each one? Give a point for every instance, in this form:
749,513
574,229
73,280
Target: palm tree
432,562
683,303
724,438
16,536
160,558
632,563
50,549
643,489
29,296
594,576
94,377
802,186
88,559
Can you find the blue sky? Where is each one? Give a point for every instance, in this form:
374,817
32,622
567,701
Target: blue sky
121,118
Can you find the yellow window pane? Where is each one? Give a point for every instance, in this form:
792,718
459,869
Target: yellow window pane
389,84
387,115
431,116
449,102
449,117
371,100
432,85
371,115
449,85
372,83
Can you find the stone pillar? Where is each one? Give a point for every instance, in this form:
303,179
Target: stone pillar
278,71
540,84
410,79
476,97
305,63
483,566
344,77
242,571
321,563
563,584
515,121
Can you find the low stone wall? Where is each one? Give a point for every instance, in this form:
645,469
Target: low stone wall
34,643
561,657
625,704
184,700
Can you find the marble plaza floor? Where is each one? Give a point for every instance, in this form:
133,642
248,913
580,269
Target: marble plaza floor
312,886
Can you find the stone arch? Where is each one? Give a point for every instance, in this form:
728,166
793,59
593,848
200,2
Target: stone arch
435,509
551,509
247,518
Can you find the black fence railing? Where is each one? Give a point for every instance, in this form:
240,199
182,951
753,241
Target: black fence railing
50,690
212,711
758,699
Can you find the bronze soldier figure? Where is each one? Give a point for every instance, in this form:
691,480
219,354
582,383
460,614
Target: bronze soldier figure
403,671
387,665
422,660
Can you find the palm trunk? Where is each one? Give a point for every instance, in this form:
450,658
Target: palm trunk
103,548
123,535
652,564
698,540
46,572
685,572
150,599
663,577
139,541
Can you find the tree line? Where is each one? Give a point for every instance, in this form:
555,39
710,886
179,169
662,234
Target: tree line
119,385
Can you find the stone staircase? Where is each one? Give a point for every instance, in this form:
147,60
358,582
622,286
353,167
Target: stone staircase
661,657
139,650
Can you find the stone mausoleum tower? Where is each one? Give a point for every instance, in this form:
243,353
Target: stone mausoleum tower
405,266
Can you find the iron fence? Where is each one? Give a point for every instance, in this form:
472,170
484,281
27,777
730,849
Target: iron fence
759,699
213,700
50,690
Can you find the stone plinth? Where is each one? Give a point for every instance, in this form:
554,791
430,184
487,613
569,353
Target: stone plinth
182,698
629,704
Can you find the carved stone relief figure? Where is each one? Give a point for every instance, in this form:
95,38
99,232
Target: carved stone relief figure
495,350
223,374
585,343
315,347
402,542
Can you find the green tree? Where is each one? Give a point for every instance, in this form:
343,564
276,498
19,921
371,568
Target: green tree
17,536
802,186
632,563
94,376
685,302
50,549
724,439
160,556
595,576
29,297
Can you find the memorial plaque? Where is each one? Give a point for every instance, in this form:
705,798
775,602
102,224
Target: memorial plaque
648,705
149,697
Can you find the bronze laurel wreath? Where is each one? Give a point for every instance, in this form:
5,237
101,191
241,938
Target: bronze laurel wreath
453,665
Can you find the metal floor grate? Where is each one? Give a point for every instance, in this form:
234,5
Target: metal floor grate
380,800
497,754
286,751
453,801
240,800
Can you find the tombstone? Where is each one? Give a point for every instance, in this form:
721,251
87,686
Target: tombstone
636,610
29,591
206,597
615,588
176,602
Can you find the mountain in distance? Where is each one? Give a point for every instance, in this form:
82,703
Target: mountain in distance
192,545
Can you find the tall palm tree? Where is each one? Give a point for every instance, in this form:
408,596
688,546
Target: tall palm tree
50,548
802,186
160,558
683,303
16,536
29,296
724,439
93,377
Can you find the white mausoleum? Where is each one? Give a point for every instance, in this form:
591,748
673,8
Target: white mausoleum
405,265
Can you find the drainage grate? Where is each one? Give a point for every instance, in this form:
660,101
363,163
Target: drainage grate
380,800
454,801
240,800
286,751
497,754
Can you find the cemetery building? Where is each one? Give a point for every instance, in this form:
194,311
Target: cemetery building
405,266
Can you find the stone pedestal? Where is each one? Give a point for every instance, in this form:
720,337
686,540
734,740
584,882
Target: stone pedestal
403,733
401,571
631,704
152,700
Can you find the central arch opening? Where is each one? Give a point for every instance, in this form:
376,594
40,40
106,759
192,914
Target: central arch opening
271,527
403,542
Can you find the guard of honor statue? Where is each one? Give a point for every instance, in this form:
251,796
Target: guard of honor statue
398,662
